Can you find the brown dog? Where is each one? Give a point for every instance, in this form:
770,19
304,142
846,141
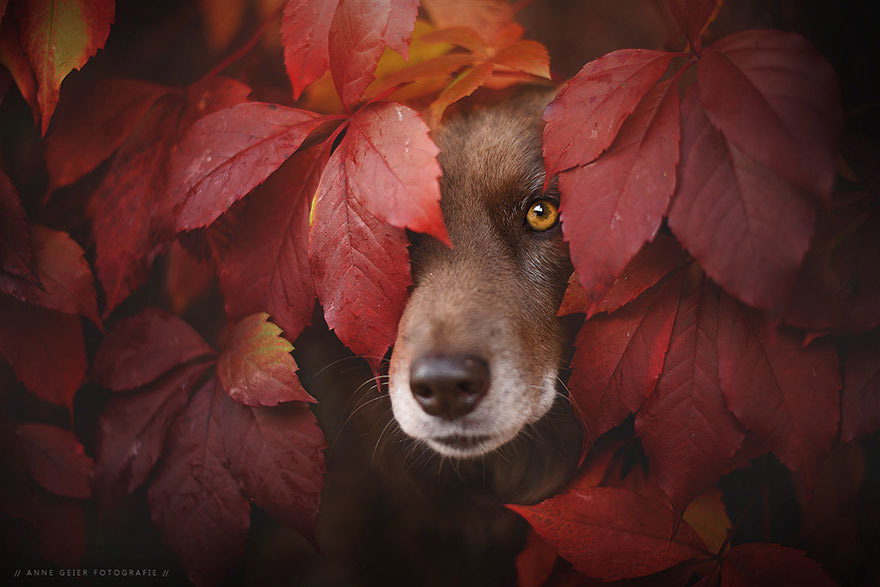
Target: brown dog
479,345
473,376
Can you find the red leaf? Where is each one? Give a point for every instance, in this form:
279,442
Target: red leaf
12,56
687,432
784,393
132,431
256,368
304,30
207,96
215,447
692,17
575,300
860,405
838,288
133,218
612,206
583,120
748,228
267,266
65,279
128,219
619,357
195,501
45,348
360,266
82,138
58,37
276,455
143,347
611,533
56,460
653,262
391,169
359,33
765,564
777,99
225,155
16,249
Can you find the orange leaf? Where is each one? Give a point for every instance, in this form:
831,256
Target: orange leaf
526,56
461,87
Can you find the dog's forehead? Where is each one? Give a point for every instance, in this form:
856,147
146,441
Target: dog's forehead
492,157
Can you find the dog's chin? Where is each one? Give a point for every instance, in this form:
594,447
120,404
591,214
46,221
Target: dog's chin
462,446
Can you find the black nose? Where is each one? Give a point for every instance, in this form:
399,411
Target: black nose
449,386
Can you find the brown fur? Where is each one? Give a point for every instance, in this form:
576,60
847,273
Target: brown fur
492,169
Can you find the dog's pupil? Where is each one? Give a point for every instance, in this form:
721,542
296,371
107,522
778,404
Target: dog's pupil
539,210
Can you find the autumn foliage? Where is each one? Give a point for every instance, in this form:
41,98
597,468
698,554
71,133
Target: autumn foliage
730,285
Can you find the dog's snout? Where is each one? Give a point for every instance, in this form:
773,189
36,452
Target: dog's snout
449,386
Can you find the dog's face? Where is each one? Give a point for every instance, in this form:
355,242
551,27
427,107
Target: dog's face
478,346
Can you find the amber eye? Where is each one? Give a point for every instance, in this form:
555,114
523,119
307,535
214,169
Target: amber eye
542,215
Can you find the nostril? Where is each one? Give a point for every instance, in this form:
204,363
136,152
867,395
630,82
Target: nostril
422,391
449,386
